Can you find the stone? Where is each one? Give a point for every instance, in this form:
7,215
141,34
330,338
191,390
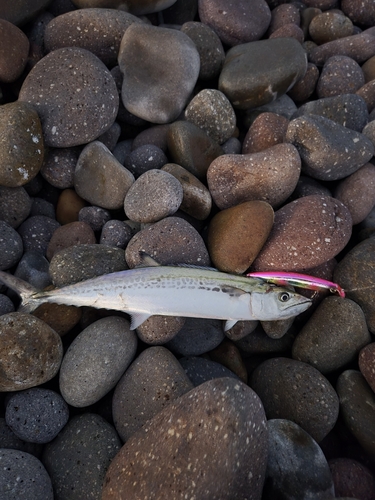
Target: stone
144,158
197,336
252,340
68,206
290,30
36,415
368,69
153,381
23,476
277,329
209,46
200,370
237,234
11,246
96,360
156,135
100,179
74,233
283,14
310,231
359,47
30,352
6,305
41,206
196,200
227,416
333,336
211,111
229,356
355,273
21,145
79,97
192,148
307,186
144,50
267,130
98,30
360,12
367,92
58,167
234,179
36,233
133,6
169,241
296,465
357,407
15,205
78,458
366,363
115,233
289,390
59,317
14,49
21,11
350,477
95,217
238,22
357,192
328,150
329,26
339,75
82,262
304,88
158,330
257,73
33,268
8,440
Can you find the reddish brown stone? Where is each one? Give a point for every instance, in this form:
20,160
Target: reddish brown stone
68,235
267,130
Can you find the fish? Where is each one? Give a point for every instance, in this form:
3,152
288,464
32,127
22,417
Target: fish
298,280
181,290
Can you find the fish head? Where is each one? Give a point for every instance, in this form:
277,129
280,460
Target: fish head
278,303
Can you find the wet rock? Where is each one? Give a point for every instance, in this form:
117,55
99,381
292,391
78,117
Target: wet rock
155,135
252,340
96,360
329,26
234,179
257,73
360,12
229,356
115,233
8,440
290,30
39,206
95,217
328,150
145,158
367,92
282,15
267,130
153,381
14,49
196,337
36,415
296,464
108,190
359,47
74,233
237,234
133,6
15,205
333,336
307,186
239,425
277,329
60,318
78,458
33,268
366,362
310,230
340,75
351,478
58,167
289,389
11,246
158,330
80,99
357,407
21,11
304,88
30,352
144,50
6,305
36,233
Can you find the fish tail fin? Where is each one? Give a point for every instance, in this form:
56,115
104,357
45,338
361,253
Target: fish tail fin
23,289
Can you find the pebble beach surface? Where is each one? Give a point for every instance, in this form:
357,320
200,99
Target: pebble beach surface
239,135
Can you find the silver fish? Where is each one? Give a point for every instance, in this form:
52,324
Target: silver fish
187,291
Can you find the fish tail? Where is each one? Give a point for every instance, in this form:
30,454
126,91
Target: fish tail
24,290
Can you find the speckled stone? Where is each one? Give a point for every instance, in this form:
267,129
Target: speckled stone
36,233
196,200
238,22
95,361
14,49
366,362
296,464
368,69
267,130
359,47
200,370
211,111
33,268
21,145
209,46
310,230
250,338
36,415
357,192
40,206
115,233
106,191
98,30
196,337
133,6
257,73
15,205
307,186
144,50
59,317
79,97
30,352
329,26
328,150
68,206
356,274
95,217
289,389
333,336
58,167
78,458
229,356
81,262
157,330
234,179
155,135
110,137
305,87
23,476
232,146
8,440
290,30
21,11
68,235
357,407
169,241
352,479
367,92
156,194
144,158
238,425
361,12
190,147
11,246
277,329
6,306
237,234
339,75
283,106
152,382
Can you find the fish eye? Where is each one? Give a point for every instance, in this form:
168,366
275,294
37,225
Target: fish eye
284,296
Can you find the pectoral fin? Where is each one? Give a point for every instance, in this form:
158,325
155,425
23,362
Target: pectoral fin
229,324
137,319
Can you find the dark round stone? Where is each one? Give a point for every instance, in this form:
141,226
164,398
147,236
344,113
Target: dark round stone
11,246
144,158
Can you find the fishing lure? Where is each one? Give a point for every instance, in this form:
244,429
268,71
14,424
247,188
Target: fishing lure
298,280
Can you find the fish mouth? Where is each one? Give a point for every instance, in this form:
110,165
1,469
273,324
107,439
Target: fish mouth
304,303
